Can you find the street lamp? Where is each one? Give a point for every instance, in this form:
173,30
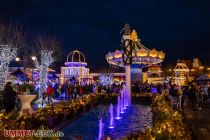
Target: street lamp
17,59
32,76
201,67
192,70
33,58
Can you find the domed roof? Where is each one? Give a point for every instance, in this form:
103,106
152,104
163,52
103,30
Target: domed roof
76,56
181,66
75,59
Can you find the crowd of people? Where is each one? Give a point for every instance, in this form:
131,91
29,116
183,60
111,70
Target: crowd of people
67,91
197,94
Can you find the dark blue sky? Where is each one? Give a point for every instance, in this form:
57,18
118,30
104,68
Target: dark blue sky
181,28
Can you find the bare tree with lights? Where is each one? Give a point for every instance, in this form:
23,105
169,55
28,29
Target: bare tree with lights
48,47
11,39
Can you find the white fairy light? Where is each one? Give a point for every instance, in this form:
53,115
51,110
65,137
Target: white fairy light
7,54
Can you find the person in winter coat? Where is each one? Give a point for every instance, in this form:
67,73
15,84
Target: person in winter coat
81,91
9,97
69,92
194,96
56,87
172,95
50,93
179,97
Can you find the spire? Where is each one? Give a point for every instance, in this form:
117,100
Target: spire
126,30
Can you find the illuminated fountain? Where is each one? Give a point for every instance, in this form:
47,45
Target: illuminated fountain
133,58
101,127
118,108
125,98
122,102
111,123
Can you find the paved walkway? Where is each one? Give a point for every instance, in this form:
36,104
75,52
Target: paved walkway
199,122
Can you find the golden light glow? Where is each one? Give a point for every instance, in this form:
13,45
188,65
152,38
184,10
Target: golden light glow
110,57
153,53
141,53
118,55
161,55
208,68
192,70
201,67
134,36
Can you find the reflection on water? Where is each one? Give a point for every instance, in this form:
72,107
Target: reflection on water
136,117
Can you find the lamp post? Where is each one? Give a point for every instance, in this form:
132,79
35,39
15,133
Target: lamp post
32,75
17,59
127,59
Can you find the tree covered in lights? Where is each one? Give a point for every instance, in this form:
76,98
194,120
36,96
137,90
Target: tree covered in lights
105,80
48,47
11,40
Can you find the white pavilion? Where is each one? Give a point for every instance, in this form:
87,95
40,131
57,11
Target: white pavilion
75,67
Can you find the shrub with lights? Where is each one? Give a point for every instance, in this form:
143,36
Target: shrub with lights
168,123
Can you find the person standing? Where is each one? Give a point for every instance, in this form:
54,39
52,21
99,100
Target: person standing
81,91
68,91
172,95
9,98
74,92
198,96
56,86
50,93
179,96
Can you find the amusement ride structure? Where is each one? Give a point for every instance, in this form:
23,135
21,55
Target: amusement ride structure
134,56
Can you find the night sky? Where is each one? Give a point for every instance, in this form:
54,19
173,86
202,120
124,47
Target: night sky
181,28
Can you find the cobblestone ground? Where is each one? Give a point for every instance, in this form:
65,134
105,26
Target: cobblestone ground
198,121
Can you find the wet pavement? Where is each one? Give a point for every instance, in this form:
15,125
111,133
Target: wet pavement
198,121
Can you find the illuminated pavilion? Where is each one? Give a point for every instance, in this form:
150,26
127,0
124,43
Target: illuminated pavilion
181,73
75,67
